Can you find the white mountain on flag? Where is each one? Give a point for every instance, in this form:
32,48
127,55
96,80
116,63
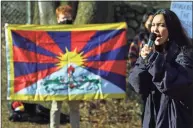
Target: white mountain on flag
72,79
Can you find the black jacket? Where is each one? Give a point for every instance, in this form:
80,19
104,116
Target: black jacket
166,85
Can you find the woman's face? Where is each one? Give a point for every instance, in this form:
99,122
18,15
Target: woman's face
159,28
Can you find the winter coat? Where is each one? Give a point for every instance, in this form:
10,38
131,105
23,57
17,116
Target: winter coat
165,83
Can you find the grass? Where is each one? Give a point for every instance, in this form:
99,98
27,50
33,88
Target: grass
111,114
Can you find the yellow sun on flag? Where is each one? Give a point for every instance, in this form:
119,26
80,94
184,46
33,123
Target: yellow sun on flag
71,57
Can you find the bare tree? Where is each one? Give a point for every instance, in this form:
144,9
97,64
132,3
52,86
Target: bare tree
94,12
47,12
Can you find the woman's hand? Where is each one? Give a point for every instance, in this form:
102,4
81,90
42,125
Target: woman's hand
145,51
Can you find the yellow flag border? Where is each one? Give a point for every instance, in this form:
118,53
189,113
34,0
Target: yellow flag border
65,97
62,27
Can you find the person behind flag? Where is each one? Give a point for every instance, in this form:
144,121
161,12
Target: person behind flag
140,39
64,16
163,75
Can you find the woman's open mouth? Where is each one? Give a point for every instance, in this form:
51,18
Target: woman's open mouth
158,37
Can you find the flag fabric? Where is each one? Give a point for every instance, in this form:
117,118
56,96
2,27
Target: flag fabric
66,62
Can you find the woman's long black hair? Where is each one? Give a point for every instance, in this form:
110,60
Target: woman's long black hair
174,26
144,19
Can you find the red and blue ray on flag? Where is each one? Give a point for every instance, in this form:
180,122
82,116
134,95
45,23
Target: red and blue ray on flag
66,62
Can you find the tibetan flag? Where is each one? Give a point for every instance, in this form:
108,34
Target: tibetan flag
66,62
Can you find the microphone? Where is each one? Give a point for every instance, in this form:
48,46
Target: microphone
151,40
150,43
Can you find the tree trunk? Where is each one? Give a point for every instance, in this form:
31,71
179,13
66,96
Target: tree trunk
74,5
94,12
35,14
29,18
47,12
